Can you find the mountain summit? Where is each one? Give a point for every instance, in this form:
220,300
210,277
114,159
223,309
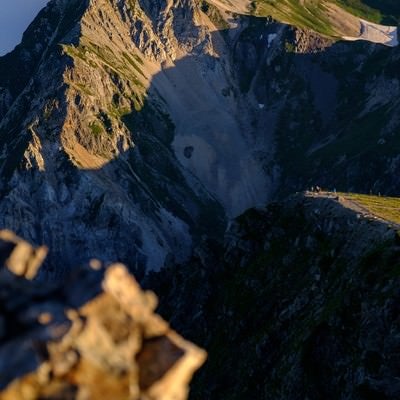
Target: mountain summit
129,129
172,136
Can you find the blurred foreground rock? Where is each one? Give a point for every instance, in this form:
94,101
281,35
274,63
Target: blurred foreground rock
112,346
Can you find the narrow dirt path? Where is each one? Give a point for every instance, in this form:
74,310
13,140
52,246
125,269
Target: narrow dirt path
355,206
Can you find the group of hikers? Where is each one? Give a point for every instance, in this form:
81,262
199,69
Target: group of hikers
315,189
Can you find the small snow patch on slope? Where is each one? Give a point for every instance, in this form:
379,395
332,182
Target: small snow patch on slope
375,33
271,38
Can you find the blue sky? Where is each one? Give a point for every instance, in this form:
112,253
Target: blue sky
15,16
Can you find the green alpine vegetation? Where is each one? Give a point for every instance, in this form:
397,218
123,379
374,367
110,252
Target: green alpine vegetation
387,208
379,11
331,18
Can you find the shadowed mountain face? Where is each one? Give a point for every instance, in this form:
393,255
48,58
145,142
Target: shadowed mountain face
301,303
130,129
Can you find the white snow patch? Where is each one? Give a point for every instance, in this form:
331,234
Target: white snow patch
375,33
271,38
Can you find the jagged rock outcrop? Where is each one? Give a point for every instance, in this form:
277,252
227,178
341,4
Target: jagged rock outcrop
99,124
146,125
112,345
131,131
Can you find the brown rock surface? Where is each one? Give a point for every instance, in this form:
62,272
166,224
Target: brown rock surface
112,347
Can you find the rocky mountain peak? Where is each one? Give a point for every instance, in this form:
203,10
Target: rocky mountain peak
147,124
137,132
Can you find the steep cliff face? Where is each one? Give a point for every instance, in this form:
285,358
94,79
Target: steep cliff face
129,124
349,120
132,130
144,125
73,166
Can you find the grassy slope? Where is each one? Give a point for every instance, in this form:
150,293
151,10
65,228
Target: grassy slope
290,11
361,9
387,208
379,11
313,15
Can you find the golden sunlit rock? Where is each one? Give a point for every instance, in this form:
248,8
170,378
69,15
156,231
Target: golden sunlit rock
112,347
